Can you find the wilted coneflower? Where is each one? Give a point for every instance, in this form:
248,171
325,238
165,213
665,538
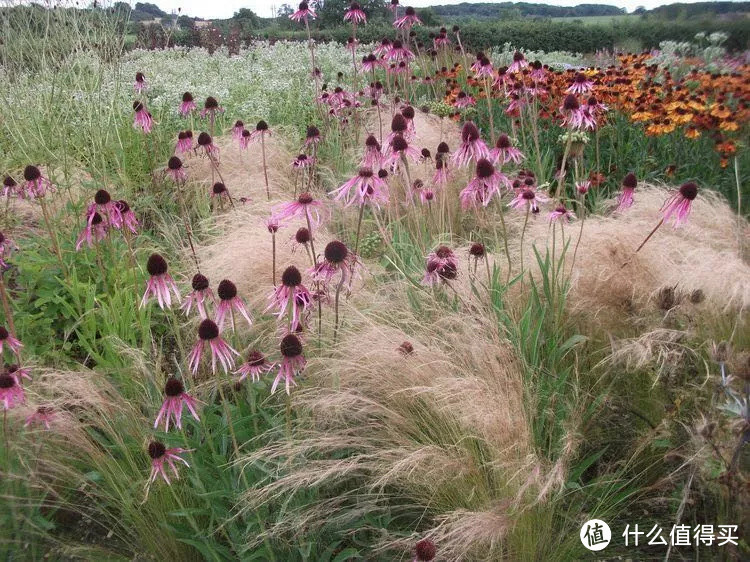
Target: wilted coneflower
483,186
142,118
677,208
107,208
237,130
206,143
302,161
303,13
399,127
399,53
140,82
208,334
160,283
160,456
373,156
440,264
581,84
229,302
260,132
573,115
176,170
36,185
211,107
255,365
94,231
355,14
472,146
425,551
464,100
561,213
184,142
17,372
303,207
219,191
312,136
200,294
8,340
292,362
336,257
505,152
365,187
187,105
6,248
11,393
43,415
129,219
583,187
290,295
10,186
625,199
409,20
398,150
518,64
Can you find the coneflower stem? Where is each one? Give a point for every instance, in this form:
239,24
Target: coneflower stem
489,274
273,257
265,168
739,203
505,242
336,307
359,228
188,229
53,236
580,233
650,234
312,238
561,178
6,305
215,166
489,107
523,232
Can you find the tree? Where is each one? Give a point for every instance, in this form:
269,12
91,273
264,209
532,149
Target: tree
246,19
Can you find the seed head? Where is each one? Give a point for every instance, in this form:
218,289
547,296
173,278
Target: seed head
238,124
219,188
426,153
689,190
156,265
255,358
137,106
336,252
408,112
485,169
291,277
174,163
139,77
102,197
312,131
261,126
9,182
372,142
211,103
425,549
382,173
410,11
200,282
204,139
443,148
305,198
477,250
518,56
31,173
291,346
187,97
7,381
4,333
208,330
227,290
156,450
503,142
173,387
302,236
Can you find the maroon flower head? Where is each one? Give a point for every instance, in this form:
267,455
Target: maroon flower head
256,359
199,282
291,346
137,106
156,265
305,198
204,139
630,181
219,188
570,103
425,550
382,173
398,123
485,169
174,163
503,141
426,153
226,290
9,182
7,381
399,144
173,387
208,330
477,250
156,450
312,131
261,126
302,236
31,173
291,277
408,112
336,252
372,142
238,124
102,197
443,148
187,97
139,77
689,190
211,103
469,132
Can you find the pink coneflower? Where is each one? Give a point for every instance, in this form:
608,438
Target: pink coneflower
208,334
176,170
528,199
237,129
583,186
290,294
206,143
140,82
573,115
303,13
677,207
301,238
304,207
245,139
625,199
6,248
17,372
372,158
161,456
538,72
43,415
261,130
399,126
472,146
355,14
187,105
36,185
94,231
505,152
409,20
580,85
184,142
483,68
272,224
398,52
464,100
426,195
425,551
393,6
336,257
483,186
302,161
129,219
519,63
383,47
211,107
312,136
292,362
7,339
160,283
11,393
108,209
398,150
441,173
365,187
10,187
200,294
441,40
142,119
561,213
441,265
351,44
219,191
255,366
370,62
229,301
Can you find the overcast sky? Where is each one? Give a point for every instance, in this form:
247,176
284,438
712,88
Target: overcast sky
265,8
